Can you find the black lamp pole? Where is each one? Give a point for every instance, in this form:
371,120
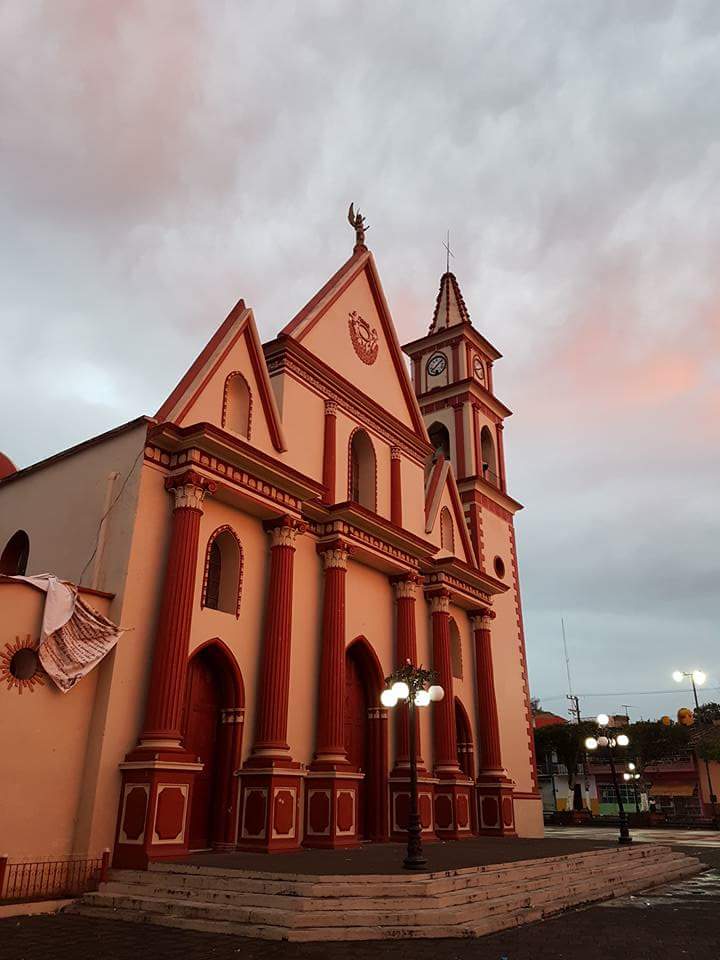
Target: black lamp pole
414,859
624,832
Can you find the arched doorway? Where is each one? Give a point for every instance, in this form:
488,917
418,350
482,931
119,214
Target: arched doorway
366,737
465,749
214,699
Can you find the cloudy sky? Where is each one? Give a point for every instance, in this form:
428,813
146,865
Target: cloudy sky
160,159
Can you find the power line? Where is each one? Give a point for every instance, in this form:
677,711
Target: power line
623,693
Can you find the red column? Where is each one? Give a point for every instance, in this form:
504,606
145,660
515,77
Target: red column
501,456
476,441
405,649
395,487
329,451
330,742
444,735
163,715
488,725
274,691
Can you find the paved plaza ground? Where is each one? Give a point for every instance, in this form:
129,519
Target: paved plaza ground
680,920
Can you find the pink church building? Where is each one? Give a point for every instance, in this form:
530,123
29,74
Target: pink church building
297,519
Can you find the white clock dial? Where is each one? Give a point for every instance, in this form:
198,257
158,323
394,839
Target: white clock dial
437,364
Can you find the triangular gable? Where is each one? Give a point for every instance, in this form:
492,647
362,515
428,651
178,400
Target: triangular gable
199,397
441,491
347,325
450,309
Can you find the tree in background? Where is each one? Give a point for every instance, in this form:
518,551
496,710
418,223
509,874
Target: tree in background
567,742
653,741
707,713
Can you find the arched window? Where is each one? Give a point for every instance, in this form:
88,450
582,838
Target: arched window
237,405
447,532
14,558
362,487
222,583
456,650
489,463
440,439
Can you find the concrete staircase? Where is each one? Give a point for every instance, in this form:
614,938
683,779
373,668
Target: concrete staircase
468,902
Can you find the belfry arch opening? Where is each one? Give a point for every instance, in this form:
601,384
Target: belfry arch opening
489,459
15,555
362,471
440,439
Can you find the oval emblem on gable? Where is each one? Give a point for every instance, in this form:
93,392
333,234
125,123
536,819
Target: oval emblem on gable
364,338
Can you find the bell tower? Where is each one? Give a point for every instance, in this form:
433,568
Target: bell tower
452,373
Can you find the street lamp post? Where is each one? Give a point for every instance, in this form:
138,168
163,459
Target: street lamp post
609,743
417,688
634,776
698,678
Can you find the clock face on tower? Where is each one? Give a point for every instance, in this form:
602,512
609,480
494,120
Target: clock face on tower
478,369
437,364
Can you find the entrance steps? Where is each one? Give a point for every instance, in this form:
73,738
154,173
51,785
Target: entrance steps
467,902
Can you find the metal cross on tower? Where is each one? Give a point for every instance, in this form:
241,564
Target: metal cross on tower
449,253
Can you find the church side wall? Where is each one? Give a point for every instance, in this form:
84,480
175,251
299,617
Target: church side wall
42,741
510,677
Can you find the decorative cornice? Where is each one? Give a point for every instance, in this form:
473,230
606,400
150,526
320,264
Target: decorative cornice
283,532
289,357
224,472
189,489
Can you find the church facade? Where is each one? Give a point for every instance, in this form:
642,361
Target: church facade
299,518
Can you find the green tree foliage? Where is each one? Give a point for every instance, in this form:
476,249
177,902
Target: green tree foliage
707,713
652,741
566,741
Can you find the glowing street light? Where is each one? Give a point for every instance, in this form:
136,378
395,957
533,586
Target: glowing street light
697,679
609,743
415,687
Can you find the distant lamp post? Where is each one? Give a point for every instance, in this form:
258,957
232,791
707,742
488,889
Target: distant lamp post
632,776
609,744
697,679
417,688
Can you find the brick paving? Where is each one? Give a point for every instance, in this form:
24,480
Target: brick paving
681,920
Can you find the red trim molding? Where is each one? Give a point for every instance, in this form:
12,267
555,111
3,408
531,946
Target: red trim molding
231,376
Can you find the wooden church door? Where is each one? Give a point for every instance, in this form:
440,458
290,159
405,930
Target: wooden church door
356,740
201,738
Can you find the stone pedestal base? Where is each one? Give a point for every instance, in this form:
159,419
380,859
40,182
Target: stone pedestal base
270,804
154,812
331,809
400,804
453,808
496,814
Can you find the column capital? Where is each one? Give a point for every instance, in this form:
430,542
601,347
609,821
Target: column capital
481,619
439,602
284,530
334,554
500,425
331,408
405,587
395,452
189,489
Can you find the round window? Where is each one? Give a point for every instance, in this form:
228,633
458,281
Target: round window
24,663
499,567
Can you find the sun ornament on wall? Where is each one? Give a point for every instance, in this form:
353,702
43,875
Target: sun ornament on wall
20,665
364,338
